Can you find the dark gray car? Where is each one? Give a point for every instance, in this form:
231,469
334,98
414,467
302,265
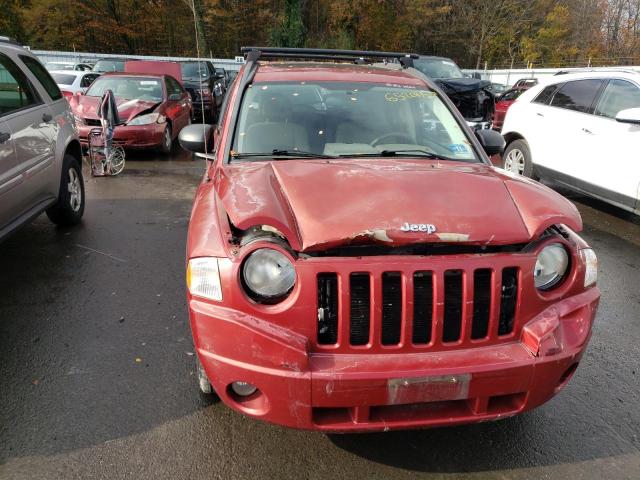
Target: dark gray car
40,155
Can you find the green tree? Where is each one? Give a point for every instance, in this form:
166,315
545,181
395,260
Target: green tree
11,20
291,30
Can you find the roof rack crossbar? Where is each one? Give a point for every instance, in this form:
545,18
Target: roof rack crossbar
328,54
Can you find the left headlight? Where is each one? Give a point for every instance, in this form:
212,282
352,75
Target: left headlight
79,120
147,119
268,274
203,278
551,266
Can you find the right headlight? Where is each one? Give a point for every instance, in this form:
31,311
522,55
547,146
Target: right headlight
551,266
268,274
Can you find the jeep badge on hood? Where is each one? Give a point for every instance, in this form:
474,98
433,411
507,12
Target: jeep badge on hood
418,227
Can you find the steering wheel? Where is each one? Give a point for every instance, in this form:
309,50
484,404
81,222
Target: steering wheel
404,136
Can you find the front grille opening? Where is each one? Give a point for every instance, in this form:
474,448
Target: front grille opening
508,299
422,307
360,308
391,308
481,303
327,308
452,326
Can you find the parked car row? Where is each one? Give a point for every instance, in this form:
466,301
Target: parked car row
205,83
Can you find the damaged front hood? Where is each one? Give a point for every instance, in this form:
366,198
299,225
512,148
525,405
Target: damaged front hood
461,85
87,107
322,204
470,96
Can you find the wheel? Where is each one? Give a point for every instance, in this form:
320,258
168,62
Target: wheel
116,160
517,159
203,381
167,140
69,208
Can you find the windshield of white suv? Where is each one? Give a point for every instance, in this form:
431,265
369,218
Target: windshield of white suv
438,68
338,119
58,66
109,66
63,79
144,88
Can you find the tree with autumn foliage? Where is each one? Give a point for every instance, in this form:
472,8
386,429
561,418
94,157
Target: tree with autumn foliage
498,33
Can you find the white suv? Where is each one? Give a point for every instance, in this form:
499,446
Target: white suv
40,155
581,130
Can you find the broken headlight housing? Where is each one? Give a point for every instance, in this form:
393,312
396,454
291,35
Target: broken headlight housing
551,266
268,275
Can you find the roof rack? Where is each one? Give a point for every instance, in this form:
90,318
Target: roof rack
358,56
596,70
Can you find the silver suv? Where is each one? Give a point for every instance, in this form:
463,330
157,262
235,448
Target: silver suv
40,155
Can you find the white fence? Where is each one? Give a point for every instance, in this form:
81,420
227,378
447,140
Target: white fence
509,77
80,57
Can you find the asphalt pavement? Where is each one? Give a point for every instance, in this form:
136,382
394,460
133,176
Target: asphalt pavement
97,374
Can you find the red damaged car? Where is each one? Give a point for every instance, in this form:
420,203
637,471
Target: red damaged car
355,263
504,101
152,109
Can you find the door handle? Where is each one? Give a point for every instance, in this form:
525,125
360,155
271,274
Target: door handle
46,118
4,137
586,130
539,114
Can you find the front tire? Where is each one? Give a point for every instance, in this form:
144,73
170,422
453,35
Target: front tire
167,140
517,159
69,208
206,390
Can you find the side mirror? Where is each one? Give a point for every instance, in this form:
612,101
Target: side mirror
476,75
194,137
630,115
492,142
217,90
175,97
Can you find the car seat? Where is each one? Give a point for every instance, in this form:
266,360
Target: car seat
275,131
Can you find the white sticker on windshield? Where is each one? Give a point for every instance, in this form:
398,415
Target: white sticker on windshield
446,62
148,82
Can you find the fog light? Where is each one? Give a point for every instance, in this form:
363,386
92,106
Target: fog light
243,389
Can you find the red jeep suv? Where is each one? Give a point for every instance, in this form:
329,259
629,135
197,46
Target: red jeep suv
355,262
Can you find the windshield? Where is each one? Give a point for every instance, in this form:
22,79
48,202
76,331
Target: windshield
109,66
63,79
347,119
194,70
511,94
128,87
59,66
438,68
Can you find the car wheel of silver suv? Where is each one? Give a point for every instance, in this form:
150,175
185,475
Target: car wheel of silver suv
69,208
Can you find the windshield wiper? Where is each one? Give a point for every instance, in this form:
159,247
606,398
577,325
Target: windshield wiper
412,152
282,153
